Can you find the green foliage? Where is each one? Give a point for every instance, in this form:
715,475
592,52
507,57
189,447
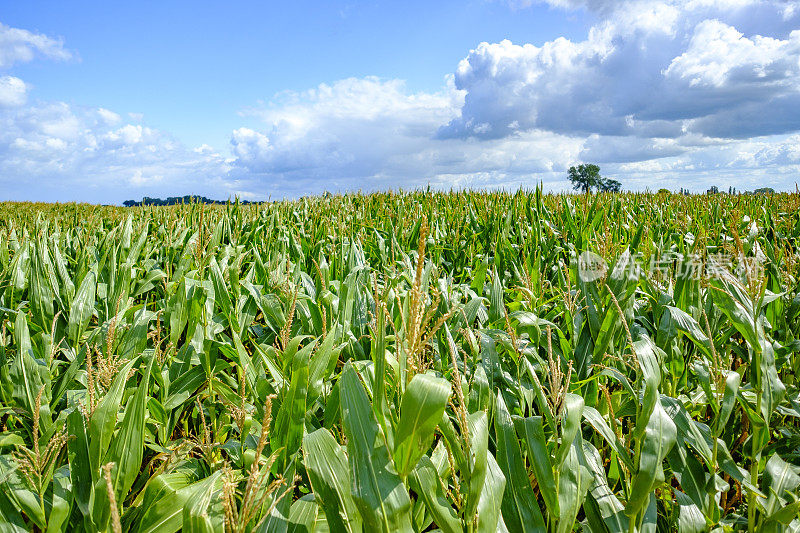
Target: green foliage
584,178
178,200
401,362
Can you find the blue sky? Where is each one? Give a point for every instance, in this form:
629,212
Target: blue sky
190,67
105,101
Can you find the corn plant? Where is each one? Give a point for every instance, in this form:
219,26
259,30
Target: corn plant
402,362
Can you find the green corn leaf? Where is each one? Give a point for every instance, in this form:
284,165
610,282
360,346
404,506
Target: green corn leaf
685,323
10,517
573,482
80,467
650,518
732,381
222,296
492,490
61,501
520,509
17,489
496,299
651,371
453,443
659,437
321,366
82,308
288,432
182,388
421,410
425,481
731,298
377,490
203,513
104,419
532,430
165,497
571,423
303,515
378,353
690,518
773,389
29,375
126,451
596,420
134,341
475,472
330,478
781,481
602,507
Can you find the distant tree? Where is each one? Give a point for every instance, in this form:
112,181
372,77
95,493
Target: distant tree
713,190
584,178
179,200
609,185
666,191
765,190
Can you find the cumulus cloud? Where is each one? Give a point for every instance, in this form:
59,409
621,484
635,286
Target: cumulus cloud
647,69
747,164
109,117
351,129
374,134
625,149
13,91
596,6
771,14
718,55
20,46
656,87
56,151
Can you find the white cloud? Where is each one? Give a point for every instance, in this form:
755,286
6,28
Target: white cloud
13,91
511,88
109,117
625,149
592,5
21,46
749,164
349,129
55,151
371,134
647,68
127,135
718,56
374,134
139,179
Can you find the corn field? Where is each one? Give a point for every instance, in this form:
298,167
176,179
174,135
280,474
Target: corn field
402,362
